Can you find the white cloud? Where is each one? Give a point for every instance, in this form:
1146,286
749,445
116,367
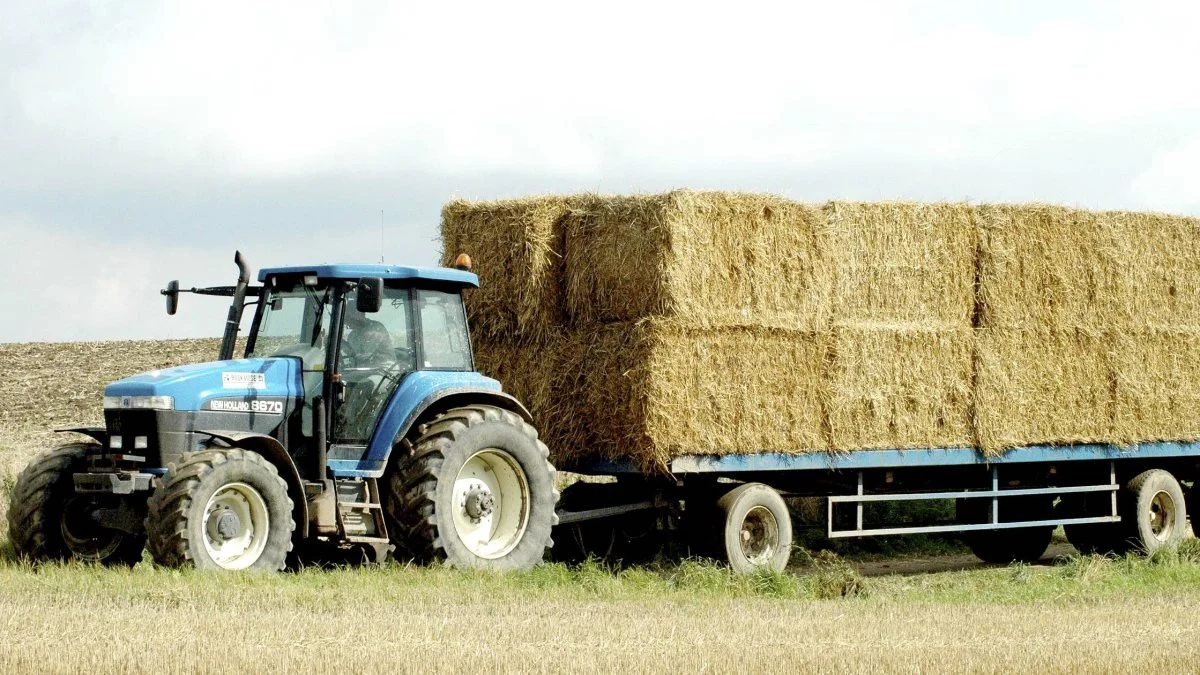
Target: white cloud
79,286
1172,181
120,119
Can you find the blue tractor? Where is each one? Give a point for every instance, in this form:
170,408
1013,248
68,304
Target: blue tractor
354,422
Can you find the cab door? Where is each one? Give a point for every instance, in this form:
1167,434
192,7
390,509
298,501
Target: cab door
375,352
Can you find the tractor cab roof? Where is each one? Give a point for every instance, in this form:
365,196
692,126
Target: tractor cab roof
386,272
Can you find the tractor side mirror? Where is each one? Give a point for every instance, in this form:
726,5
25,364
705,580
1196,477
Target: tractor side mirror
369,298
172,293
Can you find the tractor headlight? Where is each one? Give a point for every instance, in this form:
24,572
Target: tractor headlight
139,402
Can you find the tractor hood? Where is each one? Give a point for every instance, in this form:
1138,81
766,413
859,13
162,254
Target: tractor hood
195,386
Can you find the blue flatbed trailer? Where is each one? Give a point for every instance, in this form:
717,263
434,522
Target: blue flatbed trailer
1086,487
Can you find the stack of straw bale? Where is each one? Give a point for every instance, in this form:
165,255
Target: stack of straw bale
645,327
1088,324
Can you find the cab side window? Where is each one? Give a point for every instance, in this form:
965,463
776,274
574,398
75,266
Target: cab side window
445,343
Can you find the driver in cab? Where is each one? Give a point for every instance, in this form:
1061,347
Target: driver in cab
367,344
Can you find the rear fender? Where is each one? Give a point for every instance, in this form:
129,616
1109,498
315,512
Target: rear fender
423,395
274,452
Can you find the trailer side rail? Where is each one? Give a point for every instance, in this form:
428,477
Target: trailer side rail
995,494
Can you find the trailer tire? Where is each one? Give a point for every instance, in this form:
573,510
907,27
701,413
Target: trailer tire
1154,514
221,509
44,525
1004,546
756,534
477,491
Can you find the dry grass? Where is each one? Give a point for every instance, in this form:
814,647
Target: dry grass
1075,618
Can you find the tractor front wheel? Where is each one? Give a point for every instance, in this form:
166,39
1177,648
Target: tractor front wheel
476,491
224,509
47,520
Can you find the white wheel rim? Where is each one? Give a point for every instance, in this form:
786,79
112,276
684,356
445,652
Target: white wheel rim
1161,515
759,536
491,504
236,543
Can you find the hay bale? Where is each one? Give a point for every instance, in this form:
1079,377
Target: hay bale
655,389
1156,385
903,262
900,387
714,258
1041,386
1046,266
517,249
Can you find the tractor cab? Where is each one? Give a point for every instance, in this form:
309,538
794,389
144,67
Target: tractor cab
355,338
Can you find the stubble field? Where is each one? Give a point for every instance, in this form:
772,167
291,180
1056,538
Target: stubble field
1072,614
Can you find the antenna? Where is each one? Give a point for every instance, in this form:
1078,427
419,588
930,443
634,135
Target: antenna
380,236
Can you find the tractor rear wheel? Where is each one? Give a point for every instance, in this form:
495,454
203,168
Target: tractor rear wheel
221,509
476,491
47,520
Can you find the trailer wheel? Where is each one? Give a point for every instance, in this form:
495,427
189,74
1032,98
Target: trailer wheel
48,521
225,509
477,491
1003,546
1093,538
1153,514
757,529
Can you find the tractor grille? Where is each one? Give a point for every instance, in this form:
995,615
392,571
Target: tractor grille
129,424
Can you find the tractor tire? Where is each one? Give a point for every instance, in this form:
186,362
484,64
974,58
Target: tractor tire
756,534
1003,546
476,491
48,521
221,509
1153,513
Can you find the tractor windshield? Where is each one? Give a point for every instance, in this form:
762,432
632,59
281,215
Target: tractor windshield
294,322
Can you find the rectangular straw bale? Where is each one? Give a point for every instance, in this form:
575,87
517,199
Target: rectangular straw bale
896,387
516,246
1041,266
903,262
712,257
1041,386
1156,391
1157,271
1055,267
657,388
526,371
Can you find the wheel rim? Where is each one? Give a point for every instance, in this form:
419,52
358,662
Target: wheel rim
1162,515
85,539
236,525
491,503
759,536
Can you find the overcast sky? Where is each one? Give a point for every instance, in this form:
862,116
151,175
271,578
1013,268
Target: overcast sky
140,143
